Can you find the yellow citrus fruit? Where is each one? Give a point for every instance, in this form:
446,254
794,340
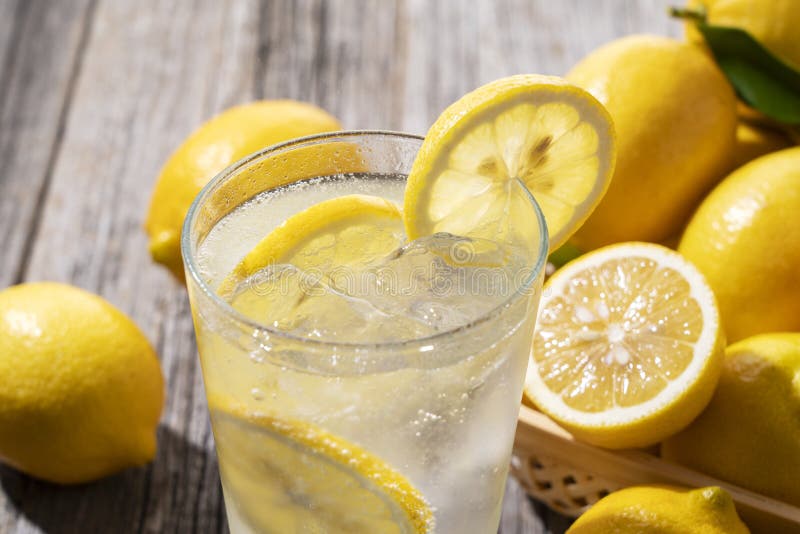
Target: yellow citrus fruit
627,348
221,141
675,117
289,476
743,239
82,390
772,22
753,141
750,432
553,137
662,510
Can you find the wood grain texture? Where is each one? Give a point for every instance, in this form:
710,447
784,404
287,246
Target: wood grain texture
41,47
95,94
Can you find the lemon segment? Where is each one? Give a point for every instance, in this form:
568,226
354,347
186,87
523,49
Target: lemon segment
346,230
553,137
628,347
289,476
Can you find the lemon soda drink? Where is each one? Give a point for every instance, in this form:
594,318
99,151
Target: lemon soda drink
359,380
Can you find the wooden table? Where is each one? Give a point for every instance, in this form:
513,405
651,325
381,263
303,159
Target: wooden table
95,94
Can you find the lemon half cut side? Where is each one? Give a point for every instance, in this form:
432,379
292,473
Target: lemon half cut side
628,346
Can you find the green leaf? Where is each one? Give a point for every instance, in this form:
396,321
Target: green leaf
760,78
564,254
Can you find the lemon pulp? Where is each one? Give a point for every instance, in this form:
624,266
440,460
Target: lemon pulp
627,347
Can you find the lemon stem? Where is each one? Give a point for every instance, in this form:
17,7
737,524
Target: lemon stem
695,14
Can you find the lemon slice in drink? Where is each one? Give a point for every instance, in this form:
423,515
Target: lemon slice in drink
553,137
628,346
302,276
288,476
346,230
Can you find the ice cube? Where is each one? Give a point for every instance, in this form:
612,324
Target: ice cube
309,305
443,281
430,285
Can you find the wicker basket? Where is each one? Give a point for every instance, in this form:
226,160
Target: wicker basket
570,476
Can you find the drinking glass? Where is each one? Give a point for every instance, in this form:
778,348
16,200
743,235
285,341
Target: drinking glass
323,435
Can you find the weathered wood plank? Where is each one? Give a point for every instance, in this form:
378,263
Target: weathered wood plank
337,54
9,37
40,49
151,73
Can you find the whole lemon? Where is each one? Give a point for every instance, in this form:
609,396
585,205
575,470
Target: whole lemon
675,117
662,510
223,140
81,390
745,242
750,432
772,22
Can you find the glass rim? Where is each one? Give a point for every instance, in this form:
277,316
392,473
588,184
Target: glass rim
188,250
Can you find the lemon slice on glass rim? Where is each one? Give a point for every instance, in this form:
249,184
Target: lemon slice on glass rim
627,348
555,138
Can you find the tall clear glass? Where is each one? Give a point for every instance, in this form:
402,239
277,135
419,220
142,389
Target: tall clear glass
321,436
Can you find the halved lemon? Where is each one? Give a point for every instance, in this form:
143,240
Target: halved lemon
288,476
628,346
346,230
555,138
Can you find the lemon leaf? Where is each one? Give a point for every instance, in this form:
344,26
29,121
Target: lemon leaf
564,254
760,78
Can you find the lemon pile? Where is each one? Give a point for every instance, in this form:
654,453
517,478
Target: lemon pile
630,344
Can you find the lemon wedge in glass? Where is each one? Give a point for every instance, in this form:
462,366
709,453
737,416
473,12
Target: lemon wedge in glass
282,476
310,269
